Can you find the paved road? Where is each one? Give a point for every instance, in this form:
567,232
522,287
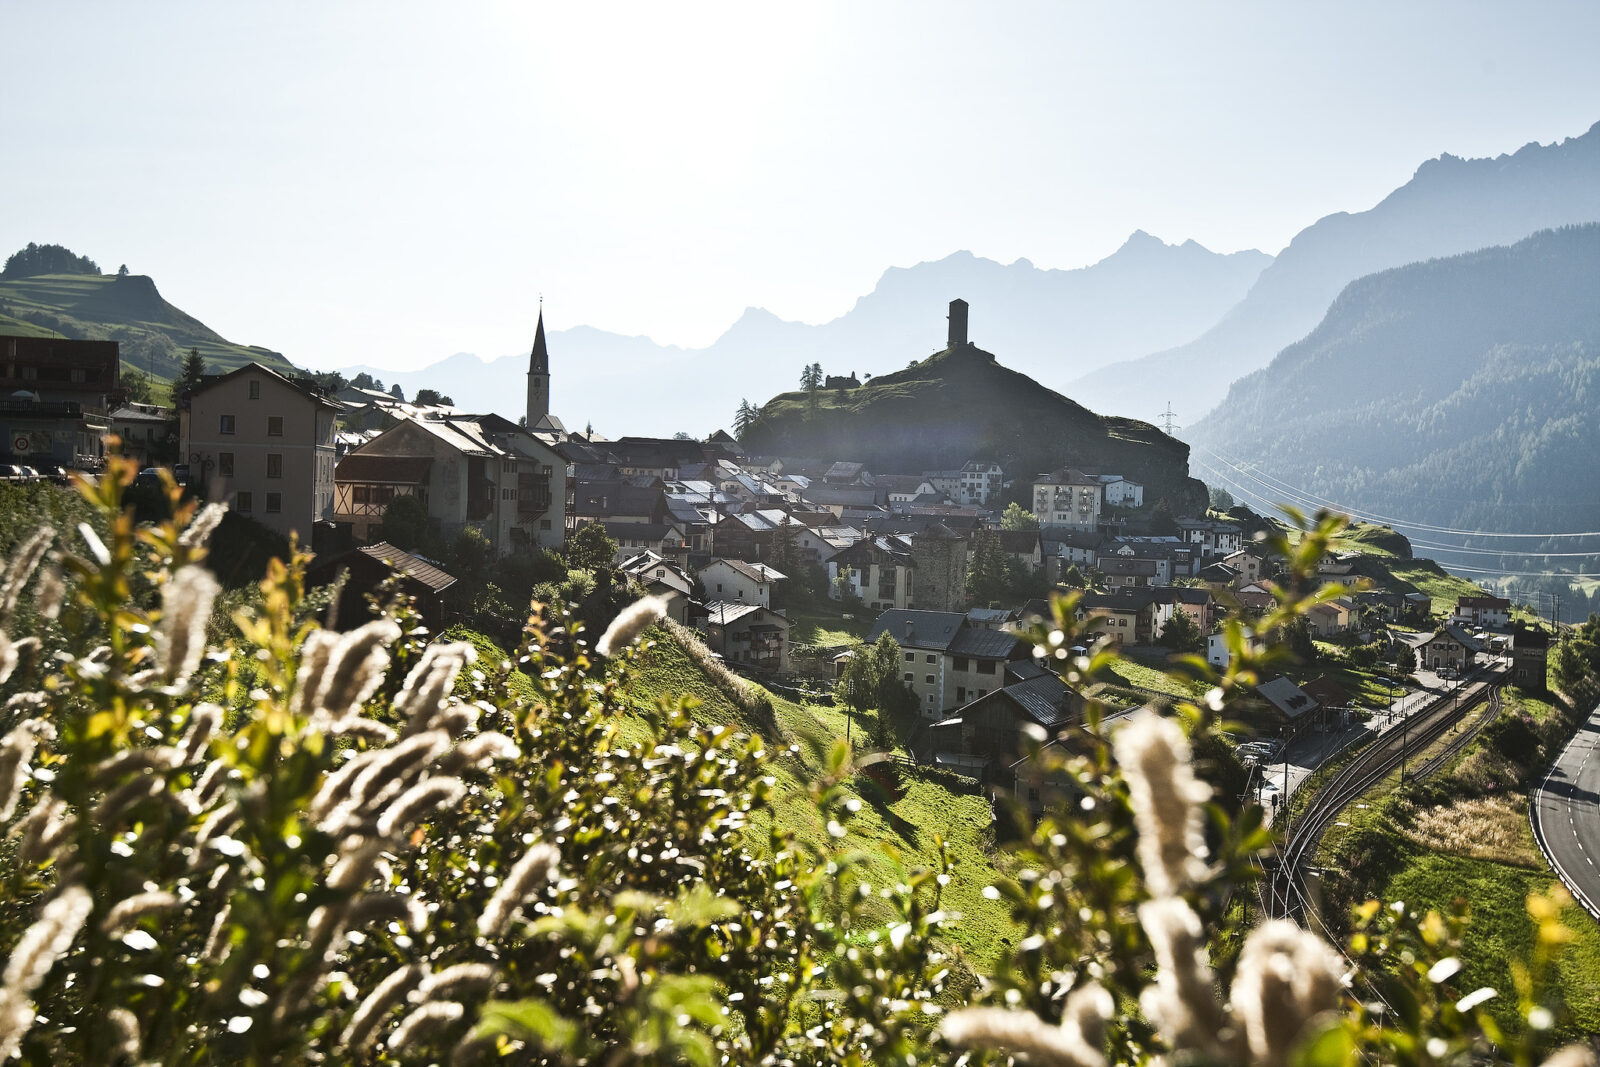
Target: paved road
1566,814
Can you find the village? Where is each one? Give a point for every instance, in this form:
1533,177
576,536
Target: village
780,562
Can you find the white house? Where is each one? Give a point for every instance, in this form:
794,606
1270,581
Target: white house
1120,492
1068,498
739,582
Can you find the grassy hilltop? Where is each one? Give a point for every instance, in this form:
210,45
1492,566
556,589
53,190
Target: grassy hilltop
960,404
155,336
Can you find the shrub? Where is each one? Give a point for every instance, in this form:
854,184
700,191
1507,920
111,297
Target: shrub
299,846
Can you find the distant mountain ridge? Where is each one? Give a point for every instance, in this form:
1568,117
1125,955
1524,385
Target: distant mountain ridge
1051,323
961,403
1462,392
128,308
1450,206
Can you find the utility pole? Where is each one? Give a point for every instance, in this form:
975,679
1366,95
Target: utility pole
1166,419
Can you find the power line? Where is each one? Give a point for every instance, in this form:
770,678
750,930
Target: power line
1306,498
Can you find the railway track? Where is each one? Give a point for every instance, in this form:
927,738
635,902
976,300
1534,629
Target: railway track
1282,891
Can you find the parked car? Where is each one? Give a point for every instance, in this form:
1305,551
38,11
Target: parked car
10,472
149,477
55,472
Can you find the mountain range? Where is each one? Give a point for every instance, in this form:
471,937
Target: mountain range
1461,392
1450,206
1051,324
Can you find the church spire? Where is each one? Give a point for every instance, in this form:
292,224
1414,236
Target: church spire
538,374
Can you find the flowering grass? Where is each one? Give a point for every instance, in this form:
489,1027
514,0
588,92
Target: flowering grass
1481,828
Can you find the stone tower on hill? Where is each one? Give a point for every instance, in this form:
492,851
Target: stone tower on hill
538,377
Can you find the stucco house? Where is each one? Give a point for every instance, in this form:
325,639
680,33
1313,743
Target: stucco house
736,580
267,445
479,471
947,660
747,635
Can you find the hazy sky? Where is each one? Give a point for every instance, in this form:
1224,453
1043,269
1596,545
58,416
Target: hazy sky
391,183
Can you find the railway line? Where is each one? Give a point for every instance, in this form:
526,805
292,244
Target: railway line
1283,893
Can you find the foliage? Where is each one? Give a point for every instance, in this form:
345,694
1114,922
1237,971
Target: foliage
744,418
188,380
1162,523
590,548
430,397
1016,518
366,381
1221,499
1575,662
1182,633
299,846
47,259
405,523
135,384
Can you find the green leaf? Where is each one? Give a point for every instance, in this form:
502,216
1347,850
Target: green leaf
1332,1046
531,1019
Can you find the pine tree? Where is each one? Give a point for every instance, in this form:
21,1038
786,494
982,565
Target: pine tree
744,418
194,369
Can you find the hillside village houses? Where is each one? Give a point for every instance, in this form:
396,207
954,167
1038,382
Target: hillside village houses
716,533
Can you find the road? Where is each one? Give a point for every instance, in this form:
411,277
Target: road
1566,815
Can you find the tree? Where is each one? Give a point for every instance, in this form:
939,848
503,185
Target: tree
811,382
366,381
744,418
1015,518
591,548
1074,577
1221,499
39,259
122,271
405,523
987,577
398,393
1182,633
1162,524
683,435
136,384
194,369
432,398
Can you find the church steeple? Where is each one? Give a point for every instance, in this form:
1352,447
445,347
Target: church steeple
538,375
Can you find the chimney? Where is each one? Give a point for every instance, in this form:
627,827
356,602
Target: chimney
958,322
910,627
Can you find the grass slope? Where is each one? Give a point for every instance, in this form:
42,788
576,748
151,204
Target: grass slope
893,834
1465,835
155,335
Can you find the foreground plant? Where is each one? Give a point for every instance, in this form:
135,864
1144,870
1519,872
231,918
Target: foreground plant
293,845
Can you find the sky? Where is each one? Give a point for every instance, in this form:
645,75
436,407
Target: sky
388,184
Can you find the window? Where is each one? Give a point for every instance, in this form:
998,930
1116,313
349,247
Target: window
961,664
911,657
80,376
274,425
274,465
255,388
929,679
241,502
544,524
274,502
225,464
911,678
961,694
360,494
933,659
986,666
226,424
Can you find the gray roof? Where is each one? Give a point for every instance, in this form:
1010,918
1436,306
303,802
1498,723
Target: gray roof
1287,697
983,644
927,629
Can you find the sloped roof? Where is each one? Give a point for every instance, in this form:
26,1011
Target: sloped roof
403,562
927,629
980,643
1288,698
371,467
